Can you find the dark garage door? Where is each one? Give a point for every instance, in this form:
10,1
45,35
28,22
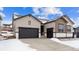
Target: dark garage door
28,32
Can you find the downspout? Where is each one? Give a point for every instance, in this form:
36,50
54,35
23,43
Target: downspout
66,30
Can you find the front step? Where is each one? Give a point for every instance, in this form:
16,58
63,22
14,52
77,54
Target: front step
42,36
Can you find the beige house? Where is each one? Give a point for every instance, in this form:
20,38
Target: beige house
61,27
29,26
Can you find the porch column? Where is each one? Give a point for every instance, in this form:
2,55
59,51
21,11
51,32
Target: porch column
45,34
17,36
39,35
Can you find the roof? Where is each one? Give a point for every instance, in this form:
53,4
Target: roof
43,20
77,27
62,18
7,24
27,15
68,18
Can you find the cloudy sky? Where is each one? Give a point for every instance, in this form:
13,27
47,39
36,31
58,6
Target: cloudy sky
49,13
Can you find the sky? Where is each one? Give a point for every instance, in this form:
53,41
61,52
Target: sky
49,13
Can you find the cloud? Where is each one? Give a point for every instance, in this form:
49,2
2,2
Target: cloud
42,17
1,8
53,11
45,12
36,10
15,15
2,14
76,21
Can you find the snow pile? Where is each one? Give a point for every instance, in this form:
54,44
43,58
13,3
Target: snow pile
14,45
73,43
56,40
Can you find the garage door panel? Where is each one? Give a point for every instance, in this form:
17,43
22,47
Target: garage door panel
28,32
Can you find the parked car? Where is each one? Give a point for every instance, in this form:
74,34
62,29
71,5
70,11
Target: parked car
7,34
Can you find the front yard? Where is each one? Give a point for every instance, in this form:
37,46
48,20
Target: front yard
14,45
38,45
47,45
73,43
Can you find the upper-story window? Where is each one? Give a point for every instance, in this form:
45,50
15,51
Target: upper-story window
29,22
68,28
61,28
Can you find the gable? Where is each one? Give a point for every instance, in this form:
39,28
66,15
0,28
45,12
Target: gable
68,19
29,15
64,18
23,22
32,19
61,20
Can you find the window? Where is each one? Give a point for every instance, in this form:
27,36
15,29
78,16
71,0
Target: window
68,28
29,22
61,28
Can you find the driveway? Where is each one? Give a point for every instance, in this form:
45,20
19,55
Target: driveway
47,45
14,45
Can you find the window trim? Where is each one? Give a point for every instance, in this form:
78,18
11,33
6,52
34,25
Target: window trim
29,22
62,30
68,29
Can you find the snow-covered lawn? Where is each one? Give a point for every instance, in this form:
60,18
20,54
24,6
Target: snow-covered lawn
14,45
72,43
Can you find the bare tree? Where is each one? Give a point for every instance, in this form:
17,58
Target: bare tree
0,23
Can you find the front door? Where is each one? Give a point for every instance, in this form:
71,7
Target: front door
49,32
77,34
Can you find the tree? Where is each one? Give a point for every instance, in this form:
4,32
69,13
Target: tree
0,17
0,23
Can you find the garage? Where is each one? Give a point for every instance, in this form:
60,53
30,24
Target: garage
28,32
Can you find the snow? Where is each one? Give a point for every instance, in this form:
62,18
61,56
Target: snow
72,43
14,45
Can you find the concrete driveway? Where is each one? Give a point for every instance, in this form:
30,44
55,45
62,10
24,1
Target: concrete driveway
14,45
47,45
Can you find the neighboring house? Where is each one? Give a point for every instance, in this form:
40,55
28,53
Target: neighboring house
29,26
76,32
6,27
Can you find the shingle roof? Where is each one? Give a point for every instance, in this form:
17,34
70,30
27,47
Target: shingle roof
46,19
